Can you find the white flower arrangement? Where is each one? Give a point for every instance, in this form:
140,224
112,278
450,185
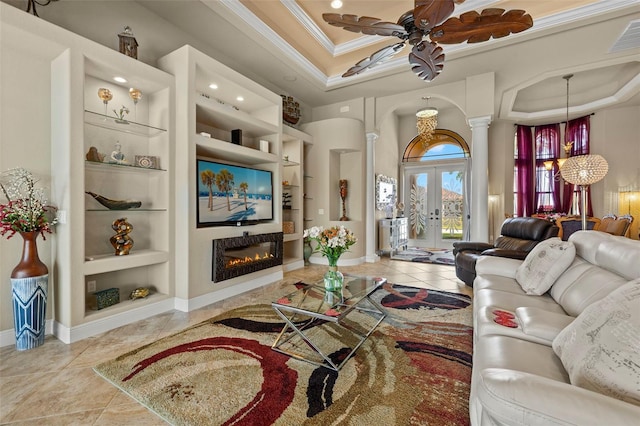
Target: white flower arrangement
26,209
332,242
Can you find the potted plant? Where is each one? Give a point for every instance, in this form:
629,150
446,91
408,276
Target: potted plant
27,213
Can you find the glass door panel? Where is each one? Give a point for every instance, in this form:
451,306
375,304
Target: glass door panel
435,200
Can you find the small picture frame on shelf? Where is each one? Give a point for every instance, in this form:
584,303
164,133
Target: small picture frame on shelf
147,161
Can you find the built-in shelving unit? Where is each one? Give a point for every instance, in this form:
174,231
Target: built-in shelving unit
212,124
293,142
87,138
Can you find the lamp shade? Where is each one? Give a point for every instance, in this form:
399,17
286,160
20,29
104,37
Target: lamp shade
584,169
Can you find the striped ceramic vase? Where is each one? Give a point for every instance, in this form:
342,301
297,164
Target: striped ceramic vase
29,283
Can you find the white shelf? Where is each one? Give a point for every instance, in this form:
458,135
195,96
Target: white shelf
292,237
124,126
231,152
126,210
102,263
95,165
125,305
222,116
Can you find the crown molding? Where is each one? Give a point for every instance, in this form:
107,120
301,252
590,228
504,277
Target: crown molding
335,81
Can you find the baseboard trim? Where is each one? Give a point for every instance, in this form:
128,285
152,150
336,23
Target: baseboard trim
92,328
8,337
189,305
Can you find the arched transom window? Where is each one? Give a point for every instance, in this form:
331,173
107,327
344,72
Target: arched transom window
444,145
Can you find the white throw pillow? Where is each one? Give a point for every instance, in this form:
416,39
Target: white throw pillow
544,264
600,349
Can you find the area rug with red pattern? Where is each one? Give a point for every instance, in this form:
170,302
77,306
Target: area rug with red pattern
414,369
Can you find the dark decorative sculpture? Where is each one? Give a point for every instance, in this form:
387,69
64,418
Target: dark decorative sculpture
94,155
286,201
122,242
128,43
343,196
115,204
31,5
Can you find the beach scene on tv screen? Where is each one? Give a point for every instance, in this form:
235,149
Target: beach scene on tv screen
233,194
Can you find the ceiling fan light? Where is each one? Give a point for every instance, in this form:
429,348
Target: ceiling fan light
336,4
427,112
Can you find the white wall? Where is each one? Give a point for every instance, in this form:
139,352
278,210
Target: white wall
25,134
338,152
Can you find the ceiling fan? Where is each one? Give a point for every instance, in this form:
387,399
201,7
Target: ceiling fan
424,27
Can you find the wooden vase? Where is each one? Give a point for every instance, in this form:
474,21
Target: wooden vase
29,285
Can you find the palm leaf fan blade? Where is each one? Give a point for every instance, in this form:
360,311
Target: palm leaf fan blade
364,24
474,28
429,13
427,60
376,58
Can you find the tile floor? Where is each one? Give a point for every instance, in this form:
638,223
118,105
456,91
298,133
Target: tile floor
54,384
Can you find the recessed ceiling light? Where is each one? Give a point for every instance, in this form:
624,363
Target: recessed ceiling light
336,4
240,99
213,86
120,79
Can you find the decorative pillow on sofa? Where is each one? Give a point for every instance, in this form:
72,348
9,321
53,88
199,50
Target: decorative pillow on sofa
600,349
544,264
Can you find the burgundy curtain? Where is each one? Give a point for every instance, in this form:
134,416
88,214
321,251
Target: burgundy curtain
547,139
577,131
524,165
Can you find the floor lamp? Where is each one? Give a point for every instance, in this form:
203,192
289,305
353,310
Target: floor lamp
584,170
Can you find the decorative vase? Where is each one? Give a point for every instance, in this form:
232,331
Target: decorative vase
29,284
307,250
333,278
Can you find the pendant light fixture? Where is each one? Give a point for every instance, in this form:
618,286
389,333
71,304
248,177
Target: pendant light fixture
567,143
427,120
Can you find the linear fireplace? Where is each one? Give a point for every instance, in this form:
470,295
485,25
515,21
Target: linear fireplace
237,256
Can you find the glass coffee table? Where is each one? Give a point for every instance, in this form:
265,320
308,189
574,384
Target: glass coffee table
311,306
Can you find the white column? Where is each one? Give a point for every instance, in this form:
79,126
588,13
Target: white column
370,219
479,222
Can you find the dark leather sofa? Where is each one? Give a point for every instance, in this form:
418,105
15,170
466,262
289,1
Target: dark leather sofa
519,235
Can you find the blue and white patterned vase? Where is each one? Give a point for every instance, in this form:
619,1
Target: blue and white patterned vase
29,285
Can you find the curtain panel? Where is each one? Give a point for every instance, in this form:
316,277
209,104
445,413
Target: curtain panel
525,178
578,131
547,190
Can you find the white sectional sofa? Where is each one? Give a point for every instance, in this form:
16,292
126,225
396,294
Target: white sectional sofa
590,317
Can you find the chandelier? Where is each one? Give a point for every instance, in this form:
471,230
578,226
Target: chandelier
427,120
567,143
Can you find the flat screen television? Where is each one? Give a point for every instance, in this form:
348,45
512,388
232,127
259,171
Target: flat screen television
232,195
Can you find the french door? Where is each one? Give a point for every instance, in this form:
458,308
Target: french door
434,202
